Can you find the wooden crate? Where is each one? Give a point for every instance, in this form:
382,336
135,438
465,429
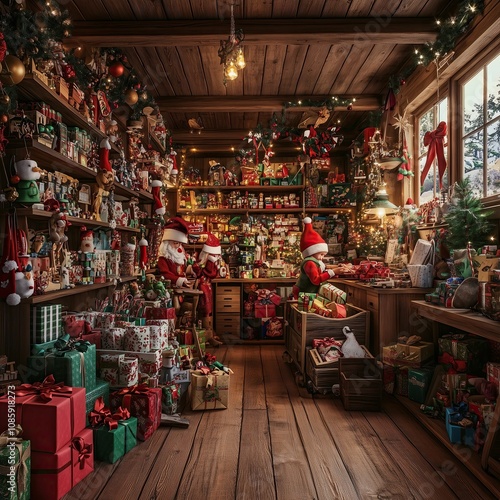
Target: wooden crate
408,355
360,384
303,327
324,374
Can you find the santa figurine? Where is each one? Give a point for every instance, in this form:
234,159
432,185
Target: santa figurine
172,261
206,269
105,179
157,198
313,271
86,240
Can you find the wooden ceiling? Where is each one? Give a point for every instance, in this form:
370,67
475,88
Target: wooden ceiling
294,49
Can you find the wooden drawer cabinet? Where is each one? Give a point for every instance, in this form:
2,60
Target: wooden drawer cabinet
228,290
227,324
227,304
356,296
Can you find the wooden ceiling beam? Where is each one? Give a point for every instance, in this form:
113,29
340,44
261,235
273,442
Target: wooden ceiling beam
175,33
255,104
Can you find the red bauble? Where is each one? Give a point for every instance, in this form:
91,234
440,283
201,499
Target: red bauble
4,118
403,82
116,69
15,179
349,108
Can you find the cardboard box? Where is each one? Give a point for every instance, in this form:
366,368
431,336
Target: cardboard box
209,392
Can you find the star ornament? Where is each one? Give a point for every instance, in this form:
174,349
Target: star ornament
401,123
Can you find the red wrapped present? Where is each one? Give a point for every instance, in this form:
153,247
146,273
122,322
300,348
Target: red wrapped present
264,310
142,402
54,474
94,337
160,313
57,409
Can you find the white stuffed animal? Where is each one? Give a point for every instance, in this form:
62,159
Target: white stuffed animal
351,347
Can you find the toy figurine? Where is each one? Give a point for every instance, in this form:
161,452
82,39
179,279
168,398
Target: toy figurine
28,172
105,179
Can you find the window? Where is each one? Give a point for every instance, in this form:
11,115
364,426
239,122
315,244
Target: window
481,129
427,122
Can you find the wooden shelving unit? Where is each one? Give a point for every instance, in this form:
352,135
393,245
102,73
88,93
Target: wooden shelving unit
263,189
215,211
474,323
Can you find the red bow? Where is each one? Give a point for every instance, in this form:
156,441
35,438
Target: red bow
455,365
44,389
127,393
99,413
84,450
435,141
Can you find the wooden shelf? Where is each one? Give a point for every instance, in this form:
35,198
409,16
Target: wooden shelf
43,214
54,161
468,321
59,294
34,89
285,281
156,143
329,210
470,458
263,189
234,211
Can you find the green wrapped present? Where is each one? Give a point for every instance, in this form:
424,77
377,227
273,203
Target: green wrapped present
101,390
45,322
16,486
114,433
472,350
72,361
419,380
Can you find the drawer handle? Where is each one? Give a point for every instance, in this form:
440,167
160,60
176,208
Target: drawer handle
350,294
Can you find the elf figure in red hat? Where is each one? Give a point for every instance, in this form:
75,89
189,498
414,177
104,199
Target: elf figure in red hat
158,207
206,269
313,270
105,179
172,256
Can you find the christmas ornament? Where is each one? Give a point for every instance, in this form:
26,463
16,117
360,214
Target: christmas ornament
13,70
4,118
131,97
116,69
4,100
3,48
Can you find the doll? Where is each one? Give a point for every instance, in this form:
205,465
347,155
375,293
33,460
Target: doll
313,270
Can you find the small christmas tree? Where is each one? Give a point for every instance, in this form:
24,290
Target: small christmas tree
466,218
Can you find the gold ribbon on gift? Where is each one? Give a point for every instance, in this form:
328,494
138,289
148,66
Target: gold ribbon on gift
21,469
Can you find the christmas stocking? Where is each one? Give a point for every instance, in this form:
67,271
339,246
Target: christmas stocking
156,192
9,263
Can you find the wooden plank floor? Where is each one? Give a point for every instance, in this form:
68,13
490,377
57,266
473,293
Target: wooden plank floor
277,442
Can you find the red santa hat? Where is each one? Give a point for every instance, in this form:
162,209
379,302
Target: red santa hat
86,236
156,192
212,245
176,229
104,149
310,241
9,264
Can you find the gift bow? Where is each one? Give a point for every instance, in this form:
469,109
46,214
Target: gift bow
435,141
44,389
127,393
84,450
456,365
14,436
99,413
66,343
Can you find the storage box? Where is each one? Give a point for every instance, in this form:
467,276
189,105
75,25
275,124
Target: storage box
360,384
209,392
408,355
472,350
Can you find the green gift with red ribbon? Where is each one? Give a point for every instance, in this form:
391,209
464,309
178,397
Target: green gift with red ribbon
115,434
142,402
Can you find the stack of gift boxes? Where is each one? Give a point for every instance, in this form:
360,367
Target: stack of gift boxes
81,420
329,302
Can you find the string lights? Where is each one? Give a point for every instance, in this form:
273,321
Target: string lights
231,52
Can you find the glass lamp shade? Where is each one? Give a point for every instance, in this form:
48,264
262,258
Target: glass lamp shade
231,71
381,205
240,59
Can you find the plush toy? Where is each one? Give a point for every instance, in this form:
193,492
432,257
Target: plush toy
351,347
57,235
28,172
105,178
86,240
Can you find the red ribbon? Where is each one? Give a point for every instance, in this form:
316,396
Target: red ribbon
127,393
435,141
100,412
84,450
456,365
44,389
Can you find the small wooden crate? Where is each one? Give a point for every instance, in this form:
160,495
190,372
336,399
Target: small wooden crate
408,355
360,384
62,87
